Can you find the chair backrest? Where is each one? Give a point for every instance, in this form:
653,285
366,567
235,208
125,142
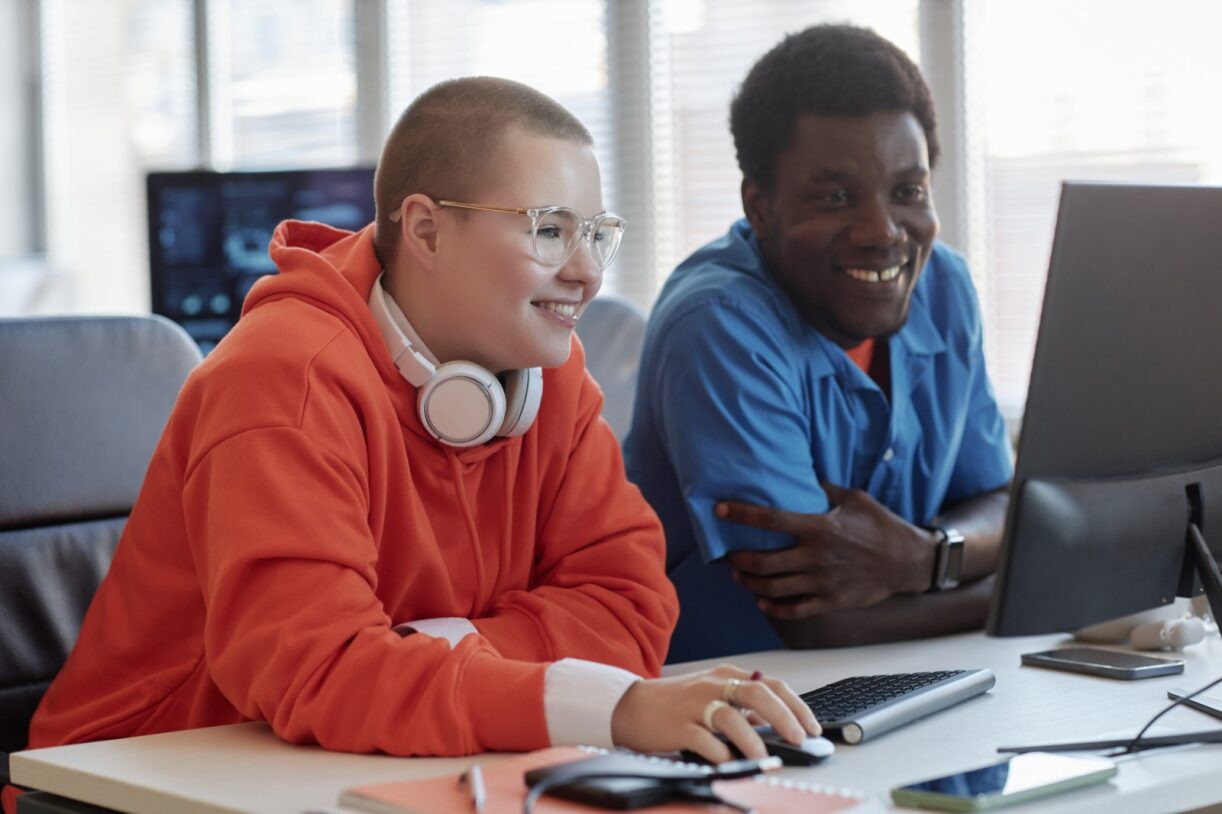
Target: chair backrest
83,401
612,330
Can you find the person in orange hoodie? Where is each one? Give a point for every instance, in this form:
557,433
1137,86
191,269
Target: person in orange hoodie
385,514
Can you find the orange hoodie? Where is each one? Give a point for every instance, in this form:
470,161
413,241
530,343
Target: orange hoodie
295,510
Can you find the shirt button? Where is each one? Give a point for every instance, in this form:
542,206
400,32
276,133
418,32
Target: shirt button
889,454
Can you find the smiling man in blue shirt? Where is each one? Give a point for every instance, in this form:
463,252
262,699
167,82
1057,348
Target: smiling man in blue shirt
814,423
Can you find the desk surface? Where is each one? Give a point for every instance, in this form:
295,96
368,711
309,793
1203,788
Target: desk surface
245,768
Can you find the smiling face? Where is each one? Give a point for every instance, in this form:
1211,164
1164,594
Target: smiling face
492,301
850,221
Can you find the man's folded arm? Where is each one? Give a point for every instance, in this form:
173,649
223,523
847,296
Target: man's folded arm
899,618
920,614
733,423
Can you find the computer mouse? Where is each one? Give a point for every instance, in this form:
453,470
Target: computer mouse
807,753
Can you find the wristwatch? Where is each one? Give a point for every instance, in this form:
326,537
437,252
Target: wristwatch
948,560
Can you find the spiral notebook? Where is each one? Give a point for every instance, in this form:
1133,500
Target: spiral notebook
506,790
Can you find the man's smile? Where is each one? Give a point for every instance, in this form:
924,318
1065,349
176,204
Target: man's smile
883,275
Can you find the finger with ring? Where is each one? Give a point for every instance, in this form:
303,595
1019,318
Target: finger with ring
729,691
710,711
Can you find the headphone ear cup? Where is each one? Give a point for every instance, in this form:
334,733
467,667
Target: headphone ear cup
462,405
523,394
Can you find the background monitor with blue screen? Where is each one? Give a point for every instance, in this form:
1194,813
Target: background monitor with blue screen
209,232
1116,501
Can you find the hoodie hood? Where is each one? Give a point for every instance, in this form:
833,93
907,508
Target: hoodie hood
334,270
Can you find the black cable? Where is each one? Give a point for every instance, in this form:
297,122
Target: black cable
1182,739
1135,744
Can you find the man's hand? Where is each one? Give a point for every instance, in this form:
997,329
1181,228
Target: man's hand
856,555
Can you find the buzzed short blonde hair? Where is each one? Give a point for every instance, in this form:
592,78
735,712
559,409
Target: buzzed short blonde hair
444,142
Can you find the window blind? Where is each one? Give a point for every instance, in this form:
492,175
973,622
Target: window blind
1095,90
710,46
282,80
118,82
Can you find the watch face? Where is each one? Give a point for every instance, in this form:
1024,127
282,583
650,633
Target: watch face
953,542
948,560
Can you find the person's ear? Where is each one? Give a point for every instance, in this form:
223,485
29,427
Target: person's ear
419,230
756,206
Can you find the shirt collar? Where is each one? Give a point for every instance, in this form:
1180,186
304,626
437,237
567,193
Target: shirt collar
920,335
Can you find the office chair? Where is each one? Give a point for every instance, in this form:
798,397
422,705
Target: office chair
612,330
83,401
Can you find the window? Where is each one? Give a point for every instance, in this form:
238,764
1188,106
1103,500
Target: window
118,98
1111,90
282,83
711,44
652,79
557,48
1089,89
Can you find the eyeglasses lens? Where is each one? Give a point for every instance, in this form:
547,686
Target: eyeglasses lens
608,232
560,231
557,235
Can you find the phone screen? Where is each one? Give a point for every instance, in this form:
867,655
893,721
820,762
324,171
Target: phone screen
1021,777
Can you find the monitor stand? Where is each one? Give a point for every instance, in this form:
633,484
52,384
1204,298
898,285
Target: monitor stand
1199,558
1206,568
1082,550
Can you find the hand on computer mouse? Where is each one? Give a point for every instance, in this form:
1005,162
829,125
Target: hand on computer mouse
810,751
691,711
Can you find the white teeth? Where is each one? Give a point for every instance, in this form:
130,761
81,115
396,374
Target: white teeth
868,276
564,309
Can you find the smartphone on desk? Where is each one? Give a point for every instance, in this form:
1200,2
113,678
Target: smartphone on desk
1106,663
1022,777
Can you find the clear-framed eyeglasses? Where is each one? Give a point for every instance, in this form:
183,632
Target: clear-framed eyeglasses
557,231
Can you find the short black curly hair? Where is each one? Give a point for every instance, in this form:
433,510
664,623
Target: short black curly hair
825,70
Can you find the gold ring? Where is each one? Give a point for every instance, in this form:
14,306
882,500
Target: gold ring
729,691
711,710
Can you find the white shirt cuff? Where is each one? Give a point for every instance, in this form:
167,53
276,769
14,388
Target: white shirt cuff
451,628
578,699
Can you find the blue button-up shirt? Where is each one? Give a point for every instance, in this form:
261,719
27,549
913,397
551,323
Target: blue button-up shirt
740,398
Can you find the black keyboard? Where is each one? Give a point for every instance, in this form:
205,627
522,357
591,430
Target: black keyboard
864,706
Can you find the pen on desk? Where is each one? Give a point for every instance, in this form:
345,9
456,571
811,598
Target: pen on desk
473,779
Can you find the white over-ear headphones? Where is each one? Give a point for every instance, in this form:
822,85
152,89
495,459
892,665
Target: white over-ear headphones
460,403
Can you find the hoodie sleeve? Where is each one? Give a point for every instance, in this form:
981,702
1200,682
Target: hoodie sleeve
295,634
600,590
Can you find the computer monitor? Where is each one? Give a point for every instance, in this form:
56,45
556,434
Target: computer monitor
209,232
1118,480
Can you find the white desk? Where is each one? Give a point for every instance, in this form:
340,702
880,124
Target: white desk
245,768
